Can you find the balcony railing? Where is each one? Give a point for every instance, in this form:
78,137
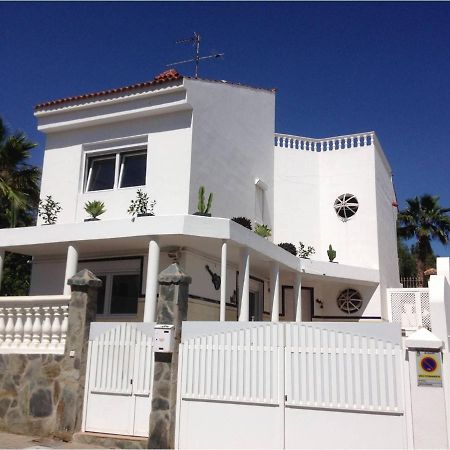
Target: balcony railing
325,144
34,324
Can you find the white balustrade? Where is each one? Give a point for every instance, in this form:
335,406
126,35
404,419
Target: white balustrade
327,144
34,324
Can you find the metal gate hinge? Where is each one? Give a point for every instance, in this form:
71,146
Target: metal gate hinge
131,381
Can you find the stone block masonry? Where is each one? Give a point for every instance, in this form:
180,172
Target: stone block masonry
43,394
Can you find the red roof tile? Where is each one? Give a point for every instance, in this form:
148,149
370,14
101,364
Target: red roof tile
164,77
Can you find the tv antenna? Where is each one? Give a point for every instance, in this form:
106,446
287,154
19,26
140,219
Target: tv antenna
195,40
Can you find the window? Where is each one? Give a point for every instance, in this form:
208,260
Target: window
116,170
349,301
346,206
259,204
118,294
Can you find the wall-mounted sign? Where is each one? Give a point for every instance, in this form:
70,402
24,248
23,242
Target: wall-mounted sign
429,369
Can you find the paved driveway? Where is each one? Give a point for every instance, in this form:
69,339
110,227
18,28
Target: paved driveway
9,440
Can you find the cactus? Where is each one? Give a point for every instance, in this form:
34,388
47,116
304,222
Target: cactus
331,253
202,209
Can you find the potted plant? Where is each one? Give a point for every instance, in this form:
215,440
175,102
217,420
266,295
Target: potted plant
288,247
94,209
141,206
247,223
263,230
331,254
203,209
304,252
49,210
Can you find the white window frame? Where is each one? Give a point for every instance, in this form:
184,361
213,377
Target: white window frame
108,292
260,186
120,153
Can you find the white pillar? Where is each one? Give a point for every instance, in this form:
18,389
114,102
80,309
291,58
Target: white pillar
151,287
298,297
223,281
2,261
71,267
275,286
244,285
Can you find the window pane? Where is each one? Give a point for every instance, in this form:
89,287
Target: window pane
133,170
125,292
101,174
101,296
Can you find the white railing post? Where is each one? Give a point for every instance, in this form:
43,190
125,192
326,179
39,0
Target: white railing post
18,328
2,325
28,327
2,262
71,267
37,327
223,281
46,326
151,288
56,326
244,285
275,286
9,329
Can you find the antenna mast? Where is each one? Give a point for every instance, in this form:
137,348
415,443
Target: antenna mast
195,39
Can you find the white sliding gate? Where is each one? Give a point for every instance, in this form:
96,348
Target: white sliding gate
119,378
290,385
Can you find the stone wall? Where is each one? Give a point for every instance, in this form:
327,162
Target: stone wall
43,394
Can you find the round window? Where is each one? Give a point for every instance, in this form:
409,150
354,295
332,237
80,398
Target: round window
346,206
349,301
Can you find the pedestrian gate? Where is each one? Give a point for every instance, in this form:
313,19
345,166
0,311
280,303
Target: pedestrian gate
119,378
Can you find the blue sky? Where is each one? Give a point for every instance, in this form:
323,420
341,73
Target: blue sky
339,68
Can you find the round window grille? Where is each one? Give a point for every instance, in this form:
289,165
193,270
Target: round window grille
346,206
349,301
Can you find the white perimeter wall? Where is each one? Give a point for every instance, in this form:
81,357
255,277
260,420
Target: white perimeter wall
232,145
168,162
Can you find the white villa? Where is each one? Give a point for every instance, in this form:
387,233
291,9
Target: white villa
278,351
174,134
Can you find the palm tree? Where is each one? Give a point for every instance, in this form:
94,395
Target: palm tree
425,220
19,181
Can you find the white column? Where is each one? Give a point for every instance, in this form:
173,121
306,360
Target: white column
151,287
223,281
71,267
2,260
298,297
275,286
244,285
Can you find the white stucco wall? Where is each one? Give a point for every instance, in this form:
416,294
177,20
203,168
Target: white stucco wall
232,145
168,141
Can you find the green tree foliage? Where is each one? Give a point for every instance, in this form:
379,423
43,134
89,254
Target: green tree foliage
19,197
424,220
407,263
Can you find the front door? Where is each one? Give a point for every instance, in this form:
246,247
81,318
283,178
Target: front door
256,300
119,378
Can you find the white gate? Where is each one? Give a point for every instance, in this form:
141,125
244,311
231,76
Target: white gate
119,378
290,385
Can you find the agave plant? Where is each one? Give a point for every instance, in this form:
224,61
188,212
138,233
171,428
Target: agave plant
247,223
94,209
263,230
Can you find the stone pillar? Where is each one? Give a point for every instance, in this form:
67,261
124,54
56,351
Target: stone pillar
82,310
151,288
172,310
71,267
223,281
